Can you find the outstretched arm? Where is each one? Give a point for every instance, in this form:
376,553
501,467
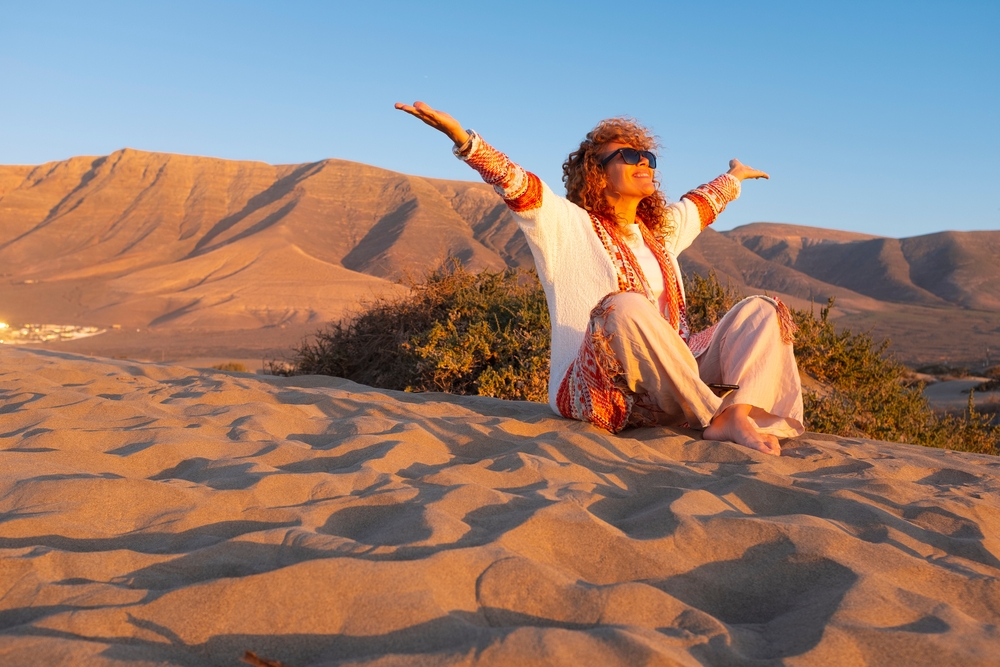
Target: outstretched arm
439,120
700,207
711,198
521,190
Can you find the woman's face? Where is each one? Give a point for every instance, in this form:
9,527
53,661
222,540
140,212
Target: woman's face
627,180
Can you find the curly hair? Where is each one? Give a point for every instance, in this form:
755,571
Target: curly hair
586,181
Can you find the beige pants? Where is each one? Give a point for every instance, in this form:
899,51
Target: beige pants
746,349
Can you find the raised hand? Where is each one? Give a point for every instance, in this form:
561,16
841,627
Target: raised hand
739,170
439,120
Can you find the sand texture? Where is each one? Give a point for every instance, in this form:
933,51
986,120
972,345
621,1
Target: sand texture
158,515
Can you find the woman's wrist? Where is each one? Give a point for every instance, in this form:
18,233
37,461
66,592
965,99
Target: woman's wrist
459,136
734,177
466,148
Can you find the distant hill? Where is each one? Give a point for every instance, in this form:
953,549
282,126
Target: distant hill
168,243
947,268
151,239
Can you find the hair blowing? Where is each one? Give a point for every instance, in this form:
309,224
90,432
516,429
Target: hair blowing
586,181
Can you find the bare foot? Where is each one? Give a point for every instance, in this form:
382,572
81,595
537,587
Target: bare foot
734,425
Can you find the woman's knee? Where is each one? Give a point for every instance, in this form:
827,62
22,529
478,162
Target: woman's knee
623,306
758,310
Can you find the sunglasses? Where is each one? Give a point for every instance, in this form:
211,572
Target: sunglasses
631,156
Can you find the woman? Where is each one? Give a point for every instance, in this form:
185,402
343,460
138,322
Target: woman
622,352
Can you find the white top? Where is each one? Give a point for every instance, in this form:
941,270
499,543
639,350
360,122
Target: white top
576,271
647,261
573,266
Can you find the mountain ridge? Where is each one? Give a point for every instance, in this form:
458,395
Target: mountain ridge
165,241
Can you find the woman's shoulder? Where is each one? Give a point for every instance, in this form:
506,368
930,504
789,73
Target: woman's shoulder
541,201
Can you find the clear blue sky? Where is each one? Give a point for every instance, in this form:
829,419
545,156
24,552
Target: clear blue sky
881,117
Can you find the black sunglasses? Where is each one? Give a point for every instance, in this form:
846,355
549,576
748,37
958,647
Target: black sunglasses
631,156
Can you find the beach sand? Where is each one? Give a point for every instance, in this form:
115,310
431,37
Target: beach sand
158,515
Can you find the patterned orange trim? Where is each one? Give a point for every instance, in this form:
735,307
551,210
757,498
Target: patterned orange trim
521,190
676,308
700,341
492,165
632,279
785,322
711,199
589,392
706,214
530,199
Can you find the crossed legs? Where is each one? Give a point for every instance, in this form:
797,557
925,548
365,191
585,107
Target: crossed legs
746,349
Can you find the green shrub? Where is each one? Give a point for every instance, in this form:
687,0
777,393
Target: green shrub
488,334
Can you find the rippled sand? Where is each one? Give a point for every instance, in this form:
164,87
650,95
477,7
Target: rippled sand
157,515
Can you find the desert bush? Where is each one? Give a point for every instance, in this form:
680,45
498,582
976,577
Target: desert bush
708,300
867,392
991,407
457,332
945,371
993,373
233,366
488,334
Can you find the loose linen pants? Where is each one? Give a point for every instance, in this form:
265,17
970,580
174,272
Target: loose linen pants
746,349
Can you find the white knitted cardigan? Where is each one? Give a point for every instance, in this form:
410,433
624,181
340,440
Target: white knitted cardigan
573,266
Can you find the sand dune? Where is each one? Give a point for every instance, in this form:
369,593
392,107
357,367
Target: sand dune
158,515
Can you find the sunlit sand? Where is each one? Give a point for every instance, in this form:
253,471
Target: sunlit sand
153,514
